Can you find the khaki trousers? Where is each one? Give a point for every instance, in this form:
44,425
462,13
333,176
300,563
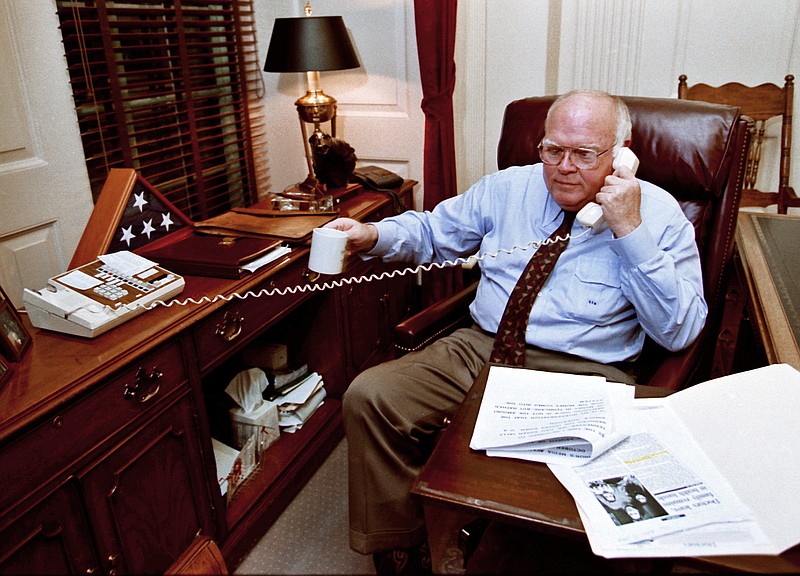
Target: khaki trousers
392,413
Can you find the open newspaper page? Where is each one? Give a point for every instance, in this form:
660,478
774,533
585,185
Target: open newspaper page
656,494
550,417
747,424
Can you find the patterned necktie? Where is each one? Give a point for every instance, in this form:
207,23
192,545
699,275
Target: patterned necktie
509,344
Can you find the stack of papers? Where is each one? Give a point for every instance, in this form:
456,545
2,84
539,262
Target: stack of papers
550,417
710,470
296,406
234,466
225,458
715,470
267,258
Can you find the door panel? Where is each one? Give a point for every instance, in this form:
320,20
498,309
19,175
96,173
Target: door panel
49,538
44,190
147,499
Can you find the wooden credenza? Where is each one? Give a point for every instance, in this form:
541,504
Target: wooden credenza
106,459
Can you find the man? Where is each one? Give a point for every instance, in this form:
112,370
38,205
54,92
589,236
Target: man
638,274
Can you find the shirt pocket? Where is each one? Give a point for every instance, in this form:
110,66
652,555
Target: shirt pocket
596,292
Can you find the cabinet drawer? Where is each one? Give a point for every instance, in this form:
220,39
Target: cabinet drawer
76,428
241,320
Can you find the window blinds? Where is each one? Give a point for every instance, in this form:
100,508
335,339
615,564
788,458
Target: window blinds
168,87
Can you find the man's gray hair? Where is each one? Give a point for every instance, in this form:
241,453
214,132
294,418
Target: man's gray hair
623,131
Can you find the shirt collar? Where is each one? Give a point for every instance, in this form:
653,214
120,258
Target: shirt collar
552,211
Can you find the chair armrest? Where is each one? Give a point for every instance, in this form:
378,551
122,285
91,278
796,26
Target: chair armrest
435,321
677,370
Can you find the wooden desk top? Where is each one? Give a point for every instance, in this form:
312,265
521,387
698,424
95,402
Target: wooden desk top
526,493
502,488
767,246
60,367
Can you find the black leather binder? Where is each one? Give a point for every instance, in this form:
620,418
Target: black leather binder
193,253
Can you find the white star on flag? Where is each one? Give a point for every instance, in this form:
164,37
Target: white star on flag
166,221
140,202
148,228
148,216
127,235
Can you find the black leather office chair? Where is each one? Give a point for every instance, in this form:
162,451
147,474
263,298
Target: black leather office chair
694,150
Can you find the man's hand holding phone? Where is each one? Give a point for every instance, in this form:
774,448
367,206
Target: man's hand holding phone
619,200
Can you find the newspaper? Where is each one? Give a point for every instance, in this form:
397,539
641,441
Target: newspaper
550,417
712,470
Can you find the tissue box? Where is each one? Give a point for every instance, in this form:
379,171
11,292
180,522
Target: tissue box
263,421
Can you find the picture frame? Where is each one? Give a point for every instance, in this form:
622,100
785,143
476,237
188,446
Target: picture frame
5,371
14,336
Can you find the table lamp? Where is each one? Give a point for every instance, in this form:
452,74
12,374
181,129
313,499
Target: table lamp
311,44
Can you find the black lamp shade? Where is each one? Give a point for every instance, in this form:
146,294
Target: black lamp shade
310,43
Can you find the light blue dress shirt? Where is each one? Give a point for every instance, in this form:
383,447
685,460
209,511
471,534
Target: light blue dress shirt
604,294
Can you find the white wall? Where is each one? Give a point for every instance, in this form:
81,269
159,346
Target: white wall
631,47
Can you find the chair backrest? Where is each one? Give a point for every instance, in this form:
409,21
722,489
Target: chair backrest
760,103
694,150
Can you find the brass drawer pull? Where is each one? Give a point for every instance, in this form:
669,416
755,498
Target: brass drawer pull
145,387
231,326
309,276
112,564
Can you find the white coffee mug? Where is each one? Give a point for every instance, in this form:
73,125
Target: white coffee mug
328,250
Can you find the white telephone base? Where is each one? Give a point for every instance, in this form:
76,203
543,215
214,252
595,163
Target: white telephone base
98,296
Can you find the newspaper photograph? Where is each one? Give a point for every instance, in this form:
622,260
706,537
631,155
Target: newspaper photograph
654,483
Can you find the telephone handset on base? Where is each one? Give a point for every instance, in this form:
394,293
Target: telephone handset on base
591,215
98,296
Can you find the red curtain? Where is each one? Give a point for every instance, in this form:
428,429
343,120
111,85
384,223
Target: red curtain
436,40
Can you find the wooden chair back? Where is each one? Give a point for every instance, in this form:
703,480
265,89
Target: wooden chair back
761,103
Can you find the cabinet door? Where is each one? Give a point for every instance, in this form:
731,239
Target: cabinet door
147,498
365,308
50,537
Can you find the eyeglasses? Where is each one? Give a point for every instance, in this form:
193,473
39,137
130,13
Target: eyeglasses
582,158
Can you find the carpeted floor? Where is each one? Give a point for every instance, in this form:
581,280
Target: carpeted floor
310,537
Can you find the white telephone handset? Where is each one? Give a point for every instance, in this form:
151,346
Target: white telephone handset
591,215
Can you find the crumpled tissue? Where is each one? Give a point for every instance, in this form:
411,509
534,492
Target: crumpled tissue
246,388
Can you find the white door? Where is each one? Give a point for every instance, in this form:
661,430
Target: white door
45,199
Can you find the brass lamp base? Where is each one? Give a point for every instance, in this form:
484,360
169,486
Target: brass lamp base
312,186
315,108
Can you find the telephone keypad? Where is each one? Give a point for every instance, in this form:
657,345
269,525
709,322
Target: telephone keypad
111,291
112,278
